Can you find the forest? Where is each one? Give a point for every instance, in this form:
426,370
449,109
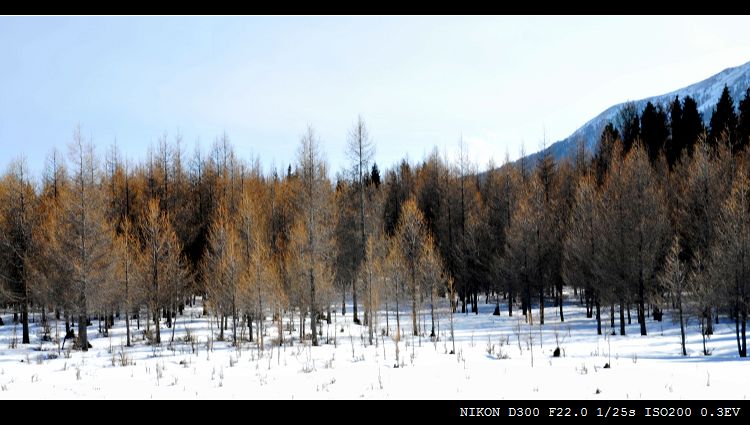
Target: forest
656,218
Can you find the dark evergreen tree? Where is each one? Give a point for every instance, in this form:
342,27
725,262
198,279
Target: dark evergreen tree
743,124
375,175
629,125
676,142
724,119
399,184
692,123
653,130
603,155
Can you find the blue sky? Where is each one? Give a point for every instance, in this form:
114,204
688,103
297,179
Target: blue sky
419,82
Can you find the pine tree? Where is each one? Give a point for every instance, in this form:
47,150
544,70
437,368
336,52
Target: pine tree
603,155
723,120
375,175
629,125
653,130
676,143
743,122
692,123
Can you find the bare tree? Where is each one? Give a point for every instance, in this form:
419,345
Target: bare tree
360,150
525,244
164,273
17,225
703,182
703,293
84,240
395,269
259,275
636,229
412,237
731,254
432,275
315,216
674,277
126,246
582,244
223,269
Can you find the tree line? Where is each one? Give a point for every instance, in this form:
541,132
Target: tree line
657,217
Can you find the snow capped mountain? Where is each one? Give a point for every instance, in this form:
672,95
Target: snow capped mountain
706,93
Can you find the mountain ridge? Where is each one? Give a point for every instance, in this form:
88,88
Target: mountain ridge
705,92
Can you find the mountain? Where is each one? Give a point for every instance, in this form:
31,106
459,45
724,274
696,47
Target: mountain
706,93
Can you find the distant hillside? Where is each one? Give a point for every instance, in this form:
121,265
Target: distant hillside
705,93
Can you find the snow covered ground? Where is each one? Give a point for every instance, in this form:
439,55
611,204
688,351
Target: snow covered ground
497,357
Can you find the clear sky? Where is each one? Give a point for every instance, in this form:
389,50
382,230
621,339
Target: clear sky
419,82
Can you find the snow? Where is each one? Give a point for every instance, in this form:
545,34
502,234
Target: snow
493,361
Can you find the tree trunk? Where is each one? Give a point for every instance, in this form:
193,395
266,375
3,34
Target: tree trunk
313,310
343,301
510,303
432,314
127,328
369,309
25,320
387,321
158,328
598,318
221,327
398,329
174,326
415,328
560,294
250,326
354,301
641,305
743,351
682,324
737,331
82,334
541,306
260,322
302,315
622,318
